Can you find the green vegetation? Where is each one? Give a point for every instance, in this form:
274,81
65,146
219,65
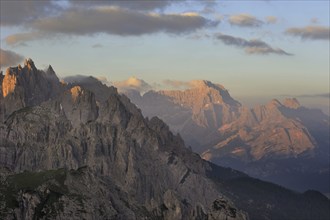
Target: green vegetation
31,180
16,184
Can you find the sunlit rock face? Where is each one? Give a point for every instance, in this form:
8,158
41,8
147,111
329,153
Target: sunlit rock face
216,125
264,132
195,113
274,141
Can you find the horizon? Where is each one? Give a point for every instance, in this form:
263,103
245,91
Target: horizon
257,50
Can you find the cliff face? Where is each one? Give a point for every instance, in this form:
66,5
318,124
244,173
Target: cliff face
80,155
263,132
211,104
142,158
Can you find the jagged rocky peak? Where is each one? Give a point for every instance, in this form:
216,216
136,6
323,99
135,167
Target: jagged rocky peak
50,70
202,93
29,64
274,103
205,84
27,86
214,93
291,103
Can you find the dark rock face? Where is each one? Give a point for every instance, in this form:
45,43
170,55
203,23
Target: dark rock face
87,157
113,139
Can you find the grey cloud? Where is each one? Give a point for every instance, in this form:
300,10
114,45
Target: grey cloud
119,22
49,19
253,46
271,19
314,20
245,20
310,32
143,5
18,12
9,58
76,78
84,79
198,36
110,20
97,46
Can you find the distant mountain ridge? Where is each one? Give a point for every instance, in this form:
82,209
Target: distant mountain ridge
224,131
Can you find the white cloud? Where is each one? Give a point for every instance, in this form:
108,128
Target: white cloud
271,19
132,83
245,20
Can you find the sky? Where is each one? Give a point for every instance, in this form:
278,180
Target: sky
256,49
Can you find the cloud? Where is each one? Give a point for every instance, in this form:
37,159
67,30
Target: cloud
198,36
314,20
16,12
83,79
132,83
310,32
76,78
245,20
119,21
110,20
104,80
97,46
321,95
132,4
271,20
21,38
48,19
9,58
253,46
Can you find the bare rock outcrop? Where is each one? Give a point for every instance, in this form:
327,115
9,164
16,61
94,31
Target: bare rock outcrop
27,86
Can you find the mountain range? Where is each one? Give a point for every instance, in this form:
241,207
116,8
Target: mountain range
81,150
283,142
